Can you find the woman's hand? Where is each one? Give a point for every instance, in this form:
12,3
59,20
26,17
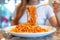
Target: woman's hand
56,7
12,23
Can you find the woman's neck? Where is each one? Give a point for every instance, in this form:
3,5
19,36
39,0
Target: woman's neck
33,3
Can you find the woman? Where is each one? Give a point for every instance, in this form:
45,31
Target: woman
43,12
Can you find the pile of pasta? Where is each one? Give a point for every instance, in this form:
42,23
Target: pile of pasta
27,28
30,26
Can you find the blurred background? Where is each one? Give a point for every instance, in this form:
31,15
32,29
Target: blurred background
7,8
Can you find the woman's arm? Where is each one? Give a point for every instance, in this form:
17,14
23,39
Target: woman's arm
19,12
15,18
51,16
53,21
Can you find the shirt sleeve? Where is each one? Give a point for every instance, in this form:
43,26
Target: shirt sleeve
50,12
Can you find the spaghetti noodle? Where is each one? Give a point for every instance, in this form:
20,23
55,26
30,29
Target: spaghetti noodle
32,12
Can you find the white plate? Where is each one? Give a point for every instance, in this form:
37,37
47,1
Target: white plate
50,28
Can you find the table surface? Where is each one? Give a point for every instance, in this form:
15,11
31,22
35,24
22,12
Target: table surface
54,36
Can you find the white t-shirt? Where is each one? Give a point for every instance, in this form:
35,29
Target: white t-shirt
44,12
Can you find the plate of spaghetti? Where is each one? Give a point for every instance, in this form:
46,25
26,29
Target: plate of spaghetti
32,31
30,28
